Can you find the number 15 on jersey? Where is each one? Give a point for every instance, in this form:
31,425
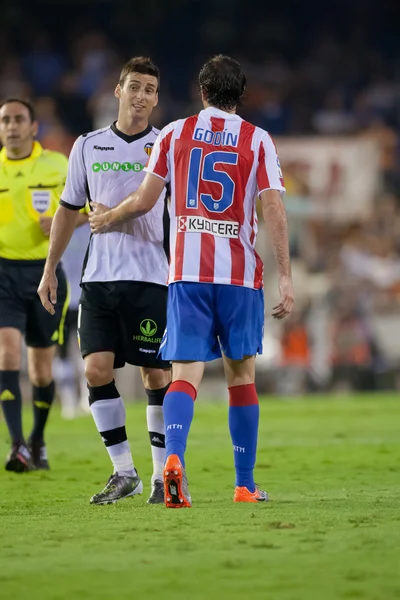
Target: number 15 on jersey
203,170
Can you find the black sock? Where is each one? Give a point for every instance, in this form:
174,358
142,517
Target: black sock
42,400
156,397
11,401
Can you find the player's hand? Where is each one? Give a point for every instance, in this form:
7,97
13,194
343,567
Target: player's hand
283,309
47,291
45,224
98,218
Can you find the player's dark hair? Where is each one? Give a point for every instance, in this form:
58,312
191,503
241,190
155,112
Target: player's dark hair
140,64
222,82
25,103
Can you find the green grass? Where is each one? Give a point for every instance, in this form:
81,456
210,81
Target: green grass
330,531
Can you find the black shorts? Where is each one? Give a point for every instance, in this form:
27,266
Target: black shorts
127,318
20,305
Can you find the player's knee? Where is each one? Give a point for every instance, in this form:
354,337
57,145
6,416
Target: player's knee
240,372
41,376
10,349
155,379
240,379
40,367
9,360
40,373
96,374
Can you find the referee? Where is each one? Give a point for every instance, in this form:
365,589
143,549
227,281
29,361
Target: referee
31,181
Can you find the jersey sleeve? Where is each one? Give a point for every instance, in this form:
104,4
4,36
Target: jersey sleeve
159,162
86,209
62,167
74,194
269,172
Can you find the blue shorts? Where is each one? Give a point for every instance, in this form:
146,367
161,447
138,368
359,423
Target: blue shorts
204,319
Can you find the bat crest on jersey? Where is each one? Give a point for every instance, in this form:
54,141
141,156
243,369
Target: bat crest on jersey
226,229
148,147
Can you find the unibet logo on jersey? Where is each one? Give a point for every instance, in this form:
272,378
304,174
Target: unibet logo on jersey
117,166
148,329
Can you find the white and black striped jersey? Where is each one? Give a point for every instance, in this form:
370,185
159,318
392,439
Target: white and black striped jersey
105,166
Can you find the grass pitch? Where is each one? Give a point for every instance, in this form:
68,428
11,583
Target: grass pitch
330,531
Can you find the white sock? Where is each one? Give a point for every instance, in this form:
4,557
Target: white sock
83,394
156,429
109,416
64,377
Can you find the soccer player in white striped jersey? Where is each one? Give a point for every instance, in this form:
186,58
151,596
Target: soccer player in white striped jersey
217,164
122,309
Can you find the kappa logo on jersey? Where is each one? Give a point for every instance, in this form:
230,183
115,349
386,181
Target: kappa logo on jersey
226,229
41,201
148,148
117,166
103,147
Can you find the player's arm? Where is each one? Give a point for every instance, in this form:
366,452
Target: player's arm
138,203
82,219
83,215
135,205
47,222
65,220
271,190
274,214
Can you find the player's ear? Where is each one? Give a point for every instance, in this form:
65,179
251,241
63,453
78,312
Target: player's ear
117,91
35,128
155,100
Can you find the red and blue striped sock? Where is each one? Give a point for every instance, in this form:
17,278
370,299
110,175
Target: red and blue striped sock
178,410
243,425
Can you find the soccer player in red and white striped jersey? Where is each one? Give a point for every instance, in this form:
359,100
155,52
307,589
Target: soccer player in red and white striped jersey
216,164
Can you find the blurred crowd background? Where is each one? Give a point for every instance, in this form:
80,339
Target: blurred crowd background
324,80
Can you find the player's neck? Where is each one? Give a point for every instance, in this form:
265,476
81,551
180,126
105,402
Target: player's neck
20,153
129,127
231,112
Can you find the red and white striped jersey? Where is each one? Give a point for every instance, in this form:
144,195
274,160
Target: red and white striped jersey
216,164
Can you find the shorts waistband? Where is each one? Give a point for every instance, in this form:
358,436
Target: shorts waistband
22,263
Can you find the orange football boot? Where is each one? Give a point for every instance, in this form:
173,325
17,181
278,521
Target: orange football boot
242,494
176,491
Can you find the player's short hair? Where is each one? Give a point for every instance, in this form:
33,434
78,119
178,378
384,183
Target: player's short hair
140,64
222,82
27,103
